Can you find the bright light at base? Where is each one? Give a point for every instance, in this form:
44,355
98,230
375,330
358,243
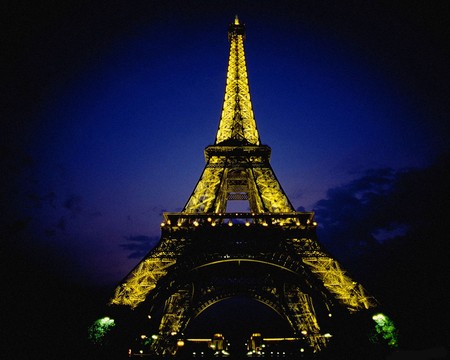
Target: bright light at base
385,329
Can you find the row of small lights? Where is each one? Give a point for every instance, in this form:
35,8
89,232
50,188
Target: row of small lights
327,335
180,343
230,223
277,353
202,353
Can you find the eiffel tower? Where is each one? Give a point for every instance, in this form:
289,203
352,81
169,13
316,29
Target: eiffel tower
269,253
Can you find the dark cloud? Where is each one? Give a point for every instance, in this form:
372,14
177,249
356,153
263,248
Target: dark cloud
390,229
139,245
62,224
73,204
158,210
30,206
383,203
351,213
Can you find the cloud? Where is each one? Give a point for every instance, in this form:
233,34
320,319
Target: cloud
351,213
139,245
381,205
390,230
158,210
73,204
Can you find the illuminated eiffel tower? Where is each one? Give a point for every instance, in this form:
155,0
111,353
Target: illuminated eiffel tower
269,253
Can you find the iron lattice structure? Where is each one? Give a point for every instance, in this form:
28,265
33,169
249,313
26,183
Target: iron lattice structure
270,253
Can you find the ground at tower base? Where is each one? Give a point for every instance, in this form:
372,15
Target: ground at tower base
288,352
241,343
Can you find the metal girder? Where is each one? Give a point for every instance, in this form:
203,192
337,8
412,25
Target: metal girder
268,295
347,291
141,281
303,318
257,183
307,247
205,193
272,195
172,322
144,277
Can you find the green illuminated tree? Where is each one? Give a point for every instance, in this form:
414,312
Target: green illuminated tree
385,330
98,330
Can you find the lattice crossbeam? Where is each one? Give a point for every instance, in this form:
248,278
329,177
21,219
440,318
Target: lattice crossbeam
339,284
204,195
172,323
304,318
274,198
174,313
141,281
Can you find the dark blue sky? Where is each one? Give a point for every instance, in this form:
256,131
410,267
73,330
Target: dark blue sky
109,108
106,108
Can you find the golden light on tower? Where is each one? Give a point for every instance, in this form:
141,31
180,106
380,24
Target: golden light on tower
203,249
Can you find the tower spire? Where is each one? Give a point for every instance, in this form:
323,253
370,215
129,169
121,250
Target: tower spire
237,165
237,122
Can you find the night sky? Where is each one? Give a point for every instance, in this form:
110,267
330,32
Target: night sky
107,107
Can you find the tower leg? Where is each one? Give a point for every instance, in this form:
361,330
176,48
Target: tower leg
173,322
303,318
338,283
